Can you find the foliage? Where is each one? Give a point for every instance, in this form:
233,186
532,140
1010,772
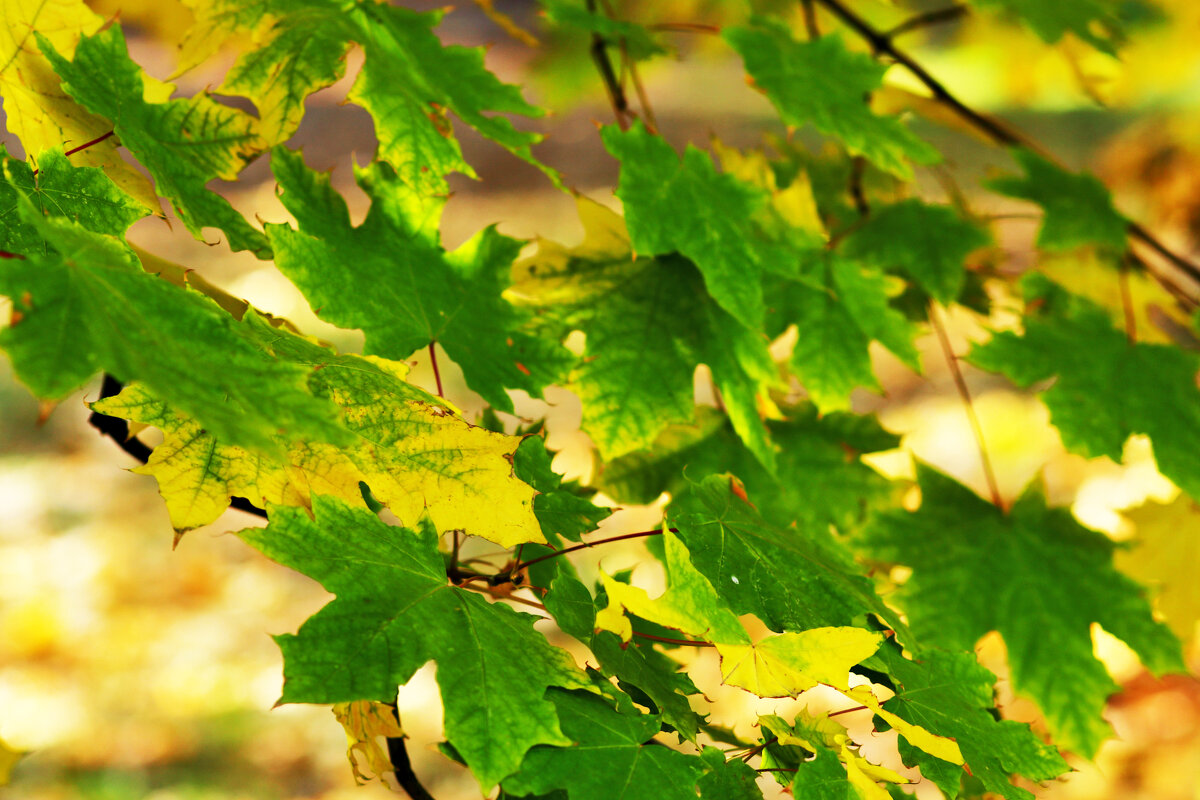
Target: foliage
786,556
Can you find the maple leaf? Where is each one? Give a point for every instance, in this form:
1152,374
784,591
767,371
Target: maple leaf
395,611
711,219
782,665
635,41
416,454
1035,576
561,509
839,307
1078,208
1091,402
927,242
819,480
728,780
1096,22
1163,556
648,323
791,579
364,722
391,277
634,664
951,693
8,759
58,189
822,83
37,110
183,144
92,286
408,82
836,768
610,757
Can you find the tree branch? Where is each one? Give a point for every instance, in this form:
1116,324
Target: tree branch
881,43
927,19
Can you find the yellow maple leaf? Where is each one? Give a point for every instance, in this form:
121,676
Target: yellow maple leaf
365,721
37,110
8,759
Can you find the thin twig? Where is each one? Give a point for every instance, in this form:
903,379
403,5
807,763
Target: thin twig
881,43
965,393
616,94
858,167
686,27
848,711
586,545
1127,301
667,640
927,19
810,19
437,376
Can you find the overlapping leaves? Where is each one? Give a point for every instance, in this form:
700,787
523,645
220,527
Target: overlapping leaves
395,611
1035,576
391,277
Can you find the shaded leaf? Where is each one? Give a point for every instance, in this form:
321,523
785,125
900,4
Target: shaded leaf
1106,388
611,756
648,323
395,611
1078,207
391,277
927,242
822,83
183,144
1035,576
1096,22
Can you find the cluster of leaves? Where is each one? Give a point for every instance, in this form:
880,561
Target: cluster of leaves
773,513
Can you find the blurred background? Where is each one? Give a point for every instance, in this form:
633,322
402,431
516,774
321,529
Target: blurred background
131,670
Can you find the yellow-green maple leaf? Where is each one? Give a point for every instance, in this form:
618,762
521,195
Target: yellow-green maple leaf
816,732
37,110
8,759
365,721
781,665
417,455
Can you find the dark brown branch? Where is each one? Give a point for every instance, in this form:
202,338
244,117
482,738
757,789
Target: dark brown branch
667,640
810,19
926,20
616,93
881,43
586,545
118,430
437,376
398,755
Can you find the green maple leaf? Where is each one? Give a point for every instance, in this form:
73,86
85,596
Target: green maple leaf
1035,576
1096,22
648,323
636,664
58,189
83,304
184,144
839,308
825,761
611,757
1078,207
561,509
635,40
1106,388
712,219
927,242
818,480
408,83
391,277
951,694
727,780
395,611
791,579
823,84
